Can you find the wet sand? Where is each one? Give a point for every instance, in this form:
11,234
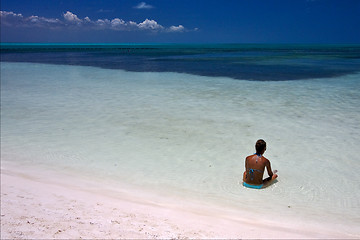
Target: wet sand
39,204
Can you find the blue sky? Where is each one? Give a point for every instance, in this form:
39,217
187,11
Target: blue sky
181,21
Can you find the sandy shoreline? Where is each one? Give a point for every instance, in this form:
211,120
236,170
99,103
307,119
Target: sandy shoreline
46,204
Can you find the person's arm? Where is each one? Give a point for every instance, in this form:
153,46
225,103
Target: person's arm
268,167
244,175
272,174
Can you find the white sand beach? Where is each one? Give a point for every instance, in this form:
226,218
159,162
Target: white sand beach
44,204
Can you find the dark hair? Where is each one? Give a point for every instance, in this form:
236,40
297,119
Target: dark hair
260,146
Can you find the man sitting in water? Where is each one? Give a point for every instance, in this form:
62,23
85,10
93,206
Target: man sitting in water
255,166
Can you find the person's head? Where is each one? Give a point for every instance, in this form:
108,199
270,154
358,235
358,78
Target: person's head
260,146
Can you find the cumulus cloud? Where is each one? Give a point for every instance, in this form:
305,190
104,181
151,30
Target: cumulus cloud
150,24
71,20
11,18
116,22
44,22
179,28
17,19
143,5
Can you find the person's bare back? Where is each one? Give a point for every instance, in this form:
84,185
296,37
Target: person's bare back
255,166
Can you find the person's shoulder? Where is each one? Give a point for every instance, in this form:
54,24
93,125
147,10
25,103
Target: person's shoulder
250,156
265,159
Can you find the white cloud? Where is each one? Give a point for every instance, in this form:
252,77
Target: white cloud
132,24
71,20
14,19
103,23
10,15
143,5
11,18
116,22
179,28
43,22
150,24
70,17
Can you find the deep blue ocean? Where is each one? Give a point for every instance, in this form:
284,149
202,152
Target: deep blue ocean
260,62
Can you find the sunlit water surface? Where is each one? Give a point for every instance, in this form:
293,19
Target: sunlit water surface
188,135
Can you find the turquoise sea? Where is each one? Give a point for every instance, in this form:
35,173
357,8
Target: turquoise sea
179,120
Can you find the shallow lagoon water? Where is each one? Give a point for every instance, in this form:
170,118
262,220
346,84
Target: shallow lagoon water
187,135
